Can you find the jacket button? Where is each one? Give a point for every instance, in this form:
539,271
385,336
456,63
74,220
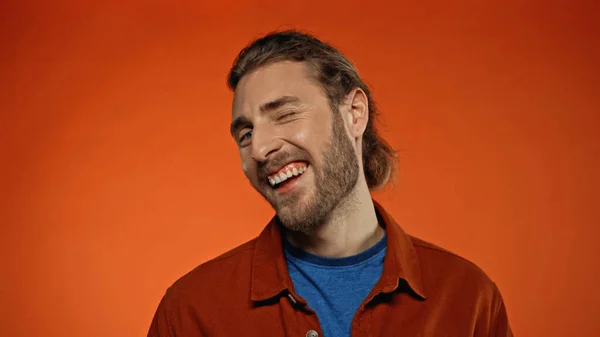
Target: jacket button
312,333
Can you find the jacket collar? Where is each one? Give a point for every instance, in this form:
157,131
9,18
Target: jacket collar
270,276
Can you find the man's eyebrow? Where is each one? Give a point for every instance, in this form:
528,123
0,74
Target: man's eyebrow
239,123
281,101
242,121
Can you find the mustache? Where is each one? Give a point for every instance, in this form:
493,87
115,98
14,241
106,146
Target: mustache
277,161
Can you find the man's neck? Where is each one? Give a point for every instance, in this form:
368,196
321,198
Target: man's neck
351,228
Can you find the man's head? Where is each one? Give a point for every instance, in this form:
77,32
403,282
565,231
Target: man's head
304,123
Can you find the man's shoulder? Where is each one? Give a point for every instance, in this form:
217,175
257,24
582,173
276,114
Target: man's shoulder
430,250
461,287
443,267
231,266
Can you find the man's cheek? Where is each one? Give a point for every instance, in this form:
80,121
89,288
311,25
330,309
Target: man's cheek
250,173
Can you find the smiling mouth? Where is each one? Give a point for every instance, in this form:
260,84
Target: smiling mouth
287,173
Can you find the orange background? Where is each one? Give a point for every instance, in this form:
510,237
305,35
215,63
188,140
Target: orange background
118,173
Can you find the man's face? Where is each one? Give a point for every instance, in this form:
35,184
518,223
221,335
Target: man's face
295,150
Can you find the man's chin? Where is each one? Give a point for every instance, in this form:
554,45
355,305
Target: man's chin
289,210
294,202
293,223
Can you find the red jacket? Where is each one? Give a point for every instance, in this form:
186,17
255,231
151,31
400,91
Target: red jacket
423,291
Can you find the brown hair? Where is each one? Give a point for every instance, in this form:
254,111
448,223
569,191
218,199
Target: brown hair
337,76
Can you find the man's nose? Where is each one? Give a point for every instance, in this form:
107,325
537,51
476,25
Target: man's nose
264,144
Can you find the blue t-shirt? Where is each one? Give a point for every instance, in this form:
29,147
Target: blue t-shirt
335,287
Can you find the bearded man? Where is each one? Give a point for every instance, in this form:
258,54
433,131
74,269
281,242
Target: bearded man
332,261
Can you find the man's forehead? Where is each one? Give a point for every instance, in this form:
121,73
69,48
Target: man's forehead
269,83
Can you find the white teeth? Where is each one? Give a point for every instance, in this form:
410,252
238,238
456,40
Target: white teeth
283,176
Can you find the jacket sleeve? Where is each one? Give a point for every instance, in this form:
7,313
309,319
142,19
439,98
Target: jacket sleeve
500,325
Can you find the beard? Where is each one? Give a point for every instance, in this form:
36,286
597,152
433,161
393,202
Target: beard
334,181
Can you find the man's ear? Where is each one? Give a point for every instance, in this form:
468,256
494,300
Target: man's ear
356,114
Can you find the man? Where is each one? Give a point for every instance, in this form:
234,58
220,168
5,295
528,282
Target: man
332,262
